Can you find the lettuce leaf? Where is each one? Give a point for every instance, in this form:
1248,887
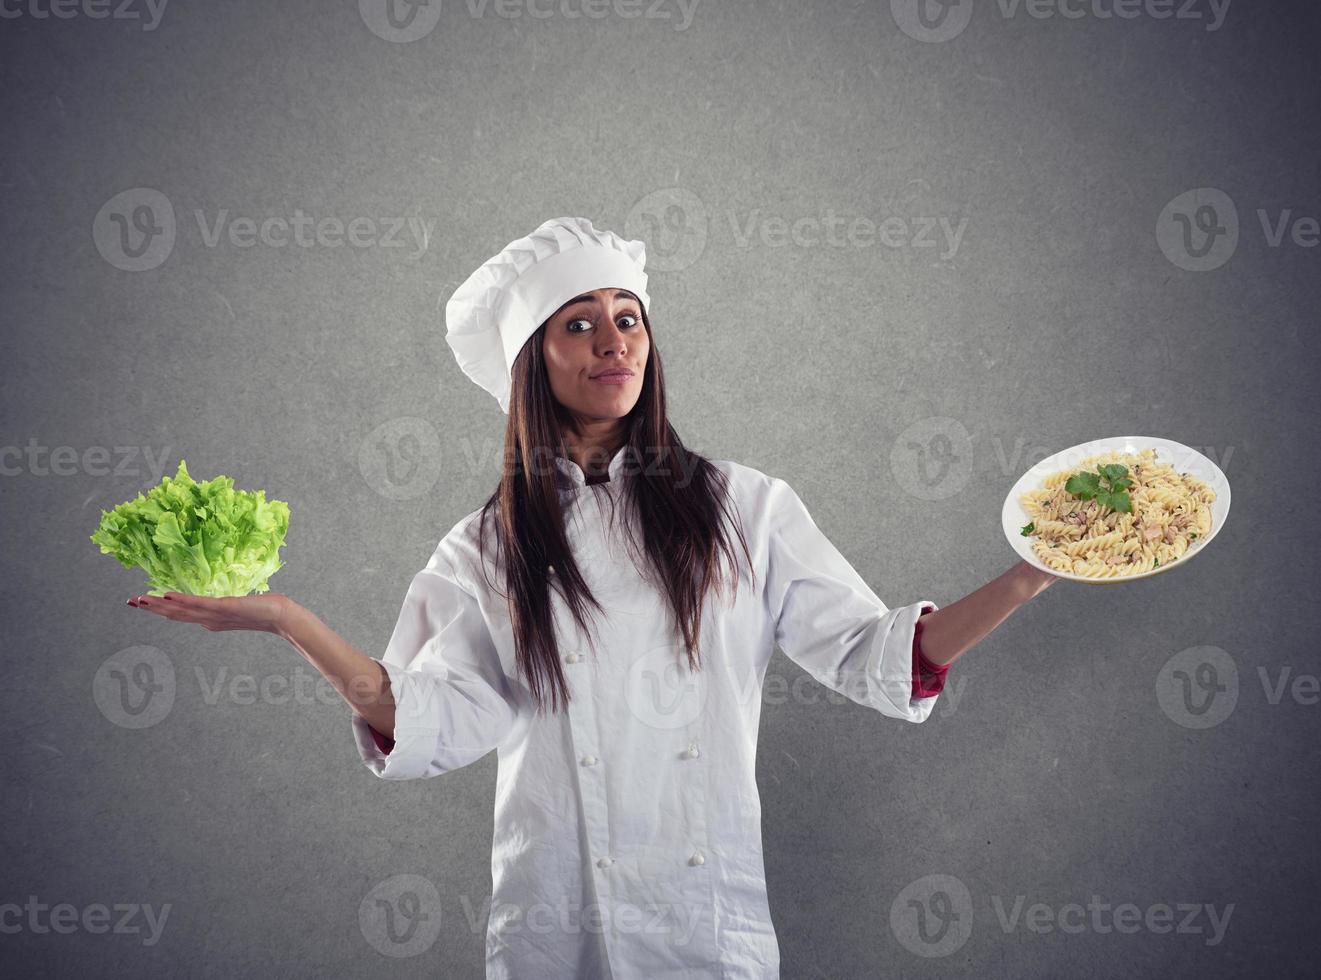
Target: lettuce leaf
198,538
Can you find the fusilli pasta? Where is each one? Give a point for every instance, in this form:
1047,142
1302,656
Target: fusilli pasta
1171,511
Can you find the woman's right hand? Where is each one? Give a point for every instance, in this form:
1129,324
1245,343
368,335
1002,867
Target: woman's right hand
265,613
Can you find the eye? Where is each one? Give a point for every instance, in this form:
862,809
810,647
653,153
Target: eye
636,321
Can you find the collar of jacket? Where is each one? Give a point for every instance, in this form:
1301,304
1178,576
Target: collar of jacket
571,476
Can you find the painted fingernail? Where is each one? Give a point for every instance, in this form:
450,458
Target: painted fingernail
169,598
129,601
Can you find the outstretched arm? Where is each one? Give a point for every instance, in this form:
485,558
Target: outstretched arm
953,630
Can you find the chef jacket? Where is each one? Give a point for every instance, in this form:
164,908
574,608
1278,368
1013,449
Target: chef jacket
627,836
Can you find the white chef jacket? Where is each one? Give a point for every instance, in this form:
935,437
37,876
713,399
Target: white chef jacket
627,839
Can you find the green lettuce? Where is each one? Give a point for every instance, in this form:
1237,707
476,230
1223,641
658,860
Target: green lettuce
198,538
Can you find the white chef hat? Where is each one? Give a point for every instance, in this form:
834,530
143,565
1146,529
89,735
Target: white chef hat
496,309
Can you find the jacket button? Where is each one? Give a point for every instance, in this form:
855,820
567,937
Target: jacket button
551,569
571,658
692,752
697,859
604,863
589,760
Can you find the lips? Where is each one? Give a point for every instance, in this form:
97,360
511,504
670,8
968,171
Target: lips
618,375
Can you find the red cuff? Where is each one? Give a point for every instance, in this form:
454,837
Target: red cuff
386,745
928,678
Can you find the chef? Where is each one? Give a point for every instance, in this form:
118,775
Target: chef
566,626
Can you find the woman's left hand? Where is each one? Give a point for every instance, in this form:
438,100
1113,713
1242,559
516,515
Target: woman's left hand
262,613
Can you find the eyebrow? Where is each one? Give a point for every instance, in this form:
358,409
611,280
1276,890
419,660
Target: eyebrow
588,298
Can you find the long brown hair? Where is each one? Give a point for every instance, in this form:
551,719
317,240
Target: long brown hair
683,529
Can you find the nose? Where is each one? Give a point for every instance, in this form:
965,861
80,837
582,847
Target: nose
612,340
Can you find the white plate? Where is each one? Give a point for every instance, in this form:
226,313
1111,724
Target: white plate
1182,458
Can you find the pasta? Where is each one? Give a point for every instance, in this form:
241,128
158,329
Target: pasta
1171,511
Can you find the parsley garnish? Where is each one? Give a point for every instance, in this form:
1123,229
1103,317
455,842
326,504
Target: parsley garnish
1108,486
1029,528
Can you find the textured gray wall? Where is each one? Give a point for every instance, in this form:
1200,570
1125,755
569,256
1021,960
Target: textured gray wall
1040,310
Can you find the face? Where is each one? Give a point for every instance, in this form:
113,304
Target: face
591,335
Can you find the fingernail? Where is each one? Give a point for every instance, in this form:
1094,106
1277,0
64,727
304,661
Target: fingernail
142,602
129,601
169,598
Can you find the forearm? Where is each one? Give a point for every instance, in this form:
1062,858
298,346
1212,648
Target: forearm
361,680
952,630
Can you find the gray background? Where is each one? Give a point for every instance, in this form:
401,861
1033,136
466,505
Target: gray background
1052,773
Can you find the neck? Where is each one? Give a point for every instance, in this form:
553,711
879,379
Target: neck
593,451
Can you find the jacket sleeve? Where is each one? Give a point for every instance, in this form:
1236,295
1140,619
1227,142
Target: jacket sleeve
928,678
453,702
830,622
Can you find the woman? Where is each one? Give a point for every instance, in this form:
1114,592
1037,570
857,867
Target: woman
627,820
